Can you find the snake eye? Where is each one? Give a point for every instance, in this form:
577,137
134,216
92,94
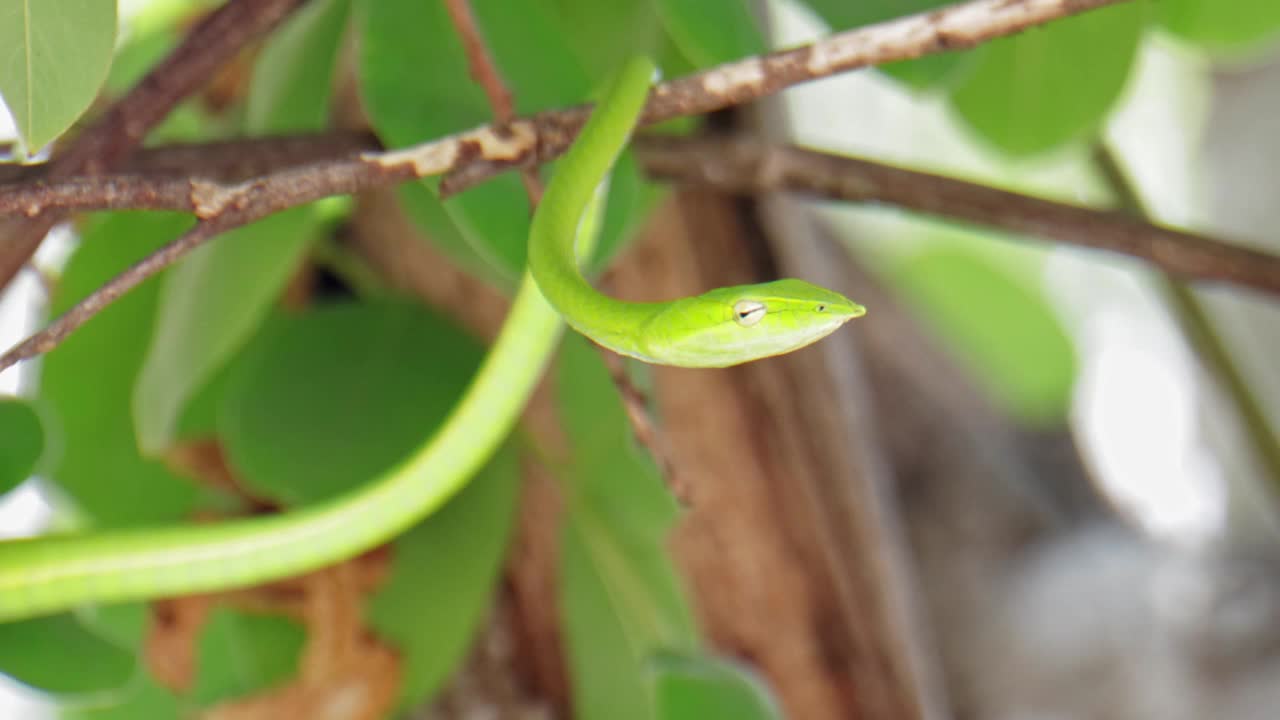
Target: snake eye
822,308
748,312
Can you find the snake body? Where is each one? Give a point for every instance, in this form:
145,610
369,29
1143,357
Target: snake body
40,576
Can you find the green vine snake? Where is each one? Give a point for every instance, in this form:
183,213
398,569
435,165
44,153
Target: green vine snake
726,326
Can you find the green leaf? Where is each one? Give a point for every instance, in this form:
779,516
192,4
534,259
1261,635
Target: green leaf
144,698
1048,86
241,653
87,383
367,382
125,625
22,444
631,198
925,72
620,597
293,77
693,687
56,55
1004,331
1221,25
59,656
711,32
211,303
443,574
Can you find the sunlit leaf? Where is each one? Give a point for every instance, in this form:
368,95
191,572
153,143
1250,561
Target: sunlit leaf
1047,86
54,55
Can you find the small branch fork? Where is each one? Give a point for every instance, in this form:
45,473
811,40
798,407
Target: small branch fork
473,156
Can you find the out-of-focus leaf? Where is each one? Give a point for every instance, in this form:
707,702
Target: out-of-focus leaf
241,653
293,77
22,442
424,207
211,303
1047,86
925,72
603,35
1005,332
693,687
87,382
710,32
216,298
55,57
143,698
366,382
620,598
1217,24
59,656
443,573
153,32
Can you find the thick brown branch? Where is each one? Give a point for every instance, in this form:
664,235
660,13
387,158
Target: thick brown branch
209,45
748,167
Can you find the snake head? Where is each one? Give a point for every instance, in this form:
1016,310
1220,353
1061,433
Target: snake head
733,325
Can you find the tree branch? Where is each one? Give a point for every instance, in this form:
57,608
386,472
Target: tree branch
475,155
332,163
955,27
208,46
748,166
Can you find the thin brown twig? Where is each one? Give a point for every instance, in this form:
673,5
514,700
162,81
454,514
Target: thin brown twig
480,61
486,74
487,150
208,46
